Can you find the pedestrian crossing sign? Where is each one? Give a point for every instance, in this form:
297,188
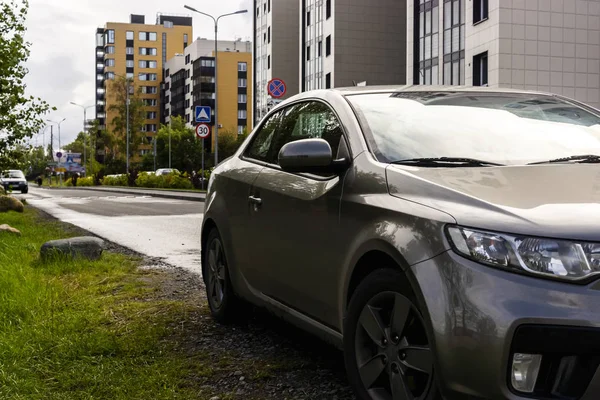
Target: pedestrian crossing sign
203,114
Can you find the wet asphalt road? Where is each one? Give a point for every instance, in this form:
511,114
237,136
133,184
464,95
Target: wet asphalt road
165,228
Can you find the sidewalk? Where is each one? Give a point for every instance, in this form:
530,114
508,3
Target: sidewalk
167,194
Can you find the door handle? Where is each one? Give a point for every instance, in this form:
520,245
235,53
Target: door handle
255,200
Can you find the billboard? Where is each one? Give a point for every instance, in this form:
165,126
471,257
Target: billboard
70,162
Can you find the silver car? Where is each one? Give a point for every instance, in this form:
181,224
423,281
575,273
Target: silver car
447,239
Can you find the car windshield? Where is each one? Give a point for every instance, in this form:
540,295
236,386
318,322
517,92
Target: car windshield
504,128
13,175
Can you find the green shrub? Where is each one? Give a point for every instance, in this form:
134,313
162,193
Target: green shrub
120,180
171,181
88,181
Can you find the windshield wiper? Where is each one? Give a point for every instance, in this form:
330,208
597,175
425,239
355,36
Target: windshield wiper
446,162
583,159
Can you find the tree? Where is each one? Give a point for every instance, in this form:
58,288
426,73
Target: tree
35,162
20,115
137,118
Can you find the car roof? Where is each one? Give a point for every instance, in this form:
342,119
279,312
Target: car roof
354,90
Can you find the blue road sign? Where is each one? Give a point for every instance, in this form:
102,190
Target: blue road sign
203,114
276,88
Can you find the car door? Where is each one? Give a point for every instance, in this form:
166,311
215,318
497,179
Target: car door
295,217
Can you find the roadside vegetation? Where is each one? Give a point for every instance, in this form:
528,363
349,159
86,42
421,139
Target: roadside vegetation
109,329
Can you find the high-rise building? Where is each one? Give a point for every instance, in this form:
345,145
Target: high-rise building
137,51
190,82
546,45
276,31
348,42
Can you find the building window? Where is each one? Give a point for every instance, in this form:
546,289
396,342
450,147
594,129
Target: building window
152,36
454,42
143,36
480,10
269,5
149,89
152,51
187,74
207,63
152,77
328,81
168,24
152,64
185,40
307,18
242,82
164,48
129,75
110,75
187,88
327,9
187,117
129,63
269,62
319,48
150,102
151,115
480,69
328,46
187,59
110,49
142,77
129,51
143,64
242,66
241,129
150,128
109,62
129,35
307,53
428,60
187,103
242,114
242,98
269,35
111,36
143,51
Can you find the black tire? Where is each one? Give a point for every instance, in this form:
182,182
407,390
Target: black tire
394,356
24,191
229,308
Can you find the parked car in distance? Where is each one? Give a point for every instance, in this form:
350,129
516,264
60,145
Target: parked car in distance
15,180
166,171
447,239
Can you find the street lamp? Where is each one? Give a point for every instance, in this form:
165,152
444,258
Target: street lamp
57,123
84,143
127,116
216,22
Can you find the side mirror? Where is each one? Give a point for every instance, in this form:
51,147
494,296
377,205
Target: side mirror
308,155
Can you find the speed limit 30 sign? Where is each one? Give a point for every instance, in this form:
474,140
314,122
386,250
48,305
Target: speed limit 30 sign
203,131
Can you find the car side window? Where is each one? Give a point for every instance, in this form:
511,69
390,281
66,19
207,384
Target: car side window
259,148
307,120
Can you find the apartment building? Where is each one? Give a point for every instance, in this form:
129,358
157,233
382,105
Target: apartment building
190,82
545,45
276,27
348,42
137,51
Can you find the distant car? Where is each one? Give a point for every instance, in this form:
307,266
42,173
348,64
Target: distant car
447,239
15,180
166,171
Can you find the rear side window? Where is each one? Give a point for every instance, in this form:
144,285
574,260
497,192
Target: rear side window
259,149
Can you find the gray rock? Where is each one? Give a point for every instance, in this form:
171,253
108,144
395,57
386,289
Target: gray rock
86,247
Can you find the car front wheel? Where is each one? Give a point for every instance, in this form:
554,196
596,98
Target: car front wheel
223,303
386,348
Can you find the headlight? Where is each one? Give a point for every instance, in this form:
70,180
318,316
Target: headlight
562,259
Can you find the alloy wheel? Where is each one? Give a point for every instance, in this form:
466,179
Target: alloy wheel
393,355
216,273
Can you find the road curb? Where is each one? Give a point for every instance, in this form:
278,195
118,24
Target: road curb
165,195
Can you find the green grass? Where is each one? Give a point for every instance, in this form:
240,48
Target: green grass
82,329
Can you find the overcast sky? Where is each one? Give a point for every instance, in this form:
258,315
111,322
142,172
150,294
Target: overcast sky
63,34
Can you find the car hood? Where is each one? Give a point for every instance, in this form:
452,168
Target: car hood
12,180
559,200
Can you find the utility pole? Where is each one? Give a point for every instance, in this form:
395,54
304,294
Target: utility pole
51,142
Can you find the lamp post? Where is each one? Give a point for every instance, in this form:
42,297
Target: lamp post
84,141
59,149
126,116
216,22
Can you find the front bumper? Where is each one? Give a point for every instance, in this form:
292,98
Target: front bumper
14,185
481,316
